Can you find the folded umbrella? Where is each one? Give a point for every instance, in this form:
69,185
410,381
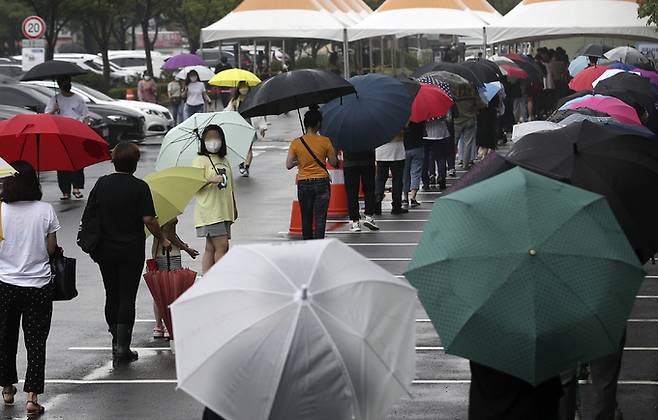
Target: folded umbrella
606,159
584,79
555,278
182,60
370,118
181,144
51,143
593,50
430,102
173,189
612,106
52,69
306,331
232,77
627,55
204,73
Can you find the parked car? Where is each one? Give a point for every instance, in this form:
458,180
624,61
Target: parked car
8,111
135,60
94,64
124,124
158,120
13,71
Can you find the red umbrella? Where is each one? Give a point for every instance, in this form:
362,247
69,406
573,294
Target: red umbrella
584,79
166,287
430,102
513,71
51,143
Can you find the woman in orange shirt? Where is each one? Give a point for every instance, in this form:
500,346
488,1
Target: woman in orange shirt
310,154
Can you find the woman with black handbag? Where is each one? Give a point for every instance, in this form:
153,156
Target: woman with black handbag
29,239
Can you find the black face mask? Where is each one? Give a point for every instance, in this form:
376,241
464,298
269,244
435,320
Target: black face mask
65,86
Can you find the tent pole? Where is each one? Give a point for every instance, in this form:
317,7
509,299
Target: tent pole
253,61
418,54
484,42
381,52
346,55
393,46
238,59
370,55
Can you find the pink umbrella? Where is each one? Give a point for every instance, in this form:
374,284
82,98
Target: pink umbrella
651,75
614,107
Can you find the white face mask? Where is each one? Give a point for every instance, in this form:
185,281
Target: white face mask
193,79
244,91
213,145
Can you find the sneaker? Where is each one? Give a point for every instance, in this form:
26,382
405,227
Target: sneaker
356,227
452,173
166,336
432,180
399,211
413,203
370,223
242,169
245,172
405,203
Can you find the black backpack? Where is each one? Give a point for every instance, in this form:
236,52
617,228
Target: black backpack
89,233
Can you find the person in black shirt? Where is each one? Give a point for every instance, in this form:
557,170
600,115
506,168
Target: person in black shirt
125,205
359,171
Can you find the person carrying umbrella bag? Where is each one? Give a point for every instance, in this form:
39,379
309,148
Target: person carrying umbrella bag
216,209
122,204
195,95
68,104
28,238
309,154
259,123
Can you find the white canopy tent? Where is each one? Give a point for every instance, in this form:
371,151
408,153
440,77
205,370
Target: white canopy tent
483,10
410,17
534,19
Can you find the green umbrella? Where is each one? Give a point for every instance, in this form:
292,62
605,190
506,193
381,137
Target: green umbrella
181,144
525,274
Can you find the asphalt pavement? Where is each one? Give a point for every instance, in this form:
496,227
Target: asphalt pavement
82,383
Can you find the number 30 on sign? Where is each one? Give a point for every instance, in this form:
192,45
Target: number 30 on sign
33,27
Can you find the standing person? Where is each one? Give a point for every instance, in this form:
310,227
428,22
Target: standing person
216,209
71,105
413,162
240,94
465,128
147,90
359,170
124,206
486,128
174,92
390,158
222,65
29,230
437,136
165,263
195,94
309,154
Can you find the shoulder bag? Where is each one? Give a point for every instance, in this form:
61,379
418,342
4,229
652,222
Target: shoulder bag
63,276
315,158
89,233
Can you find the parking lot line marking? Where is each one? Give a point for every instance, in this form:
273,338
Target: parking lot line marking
365,232
651,277
110,348
380,244
419,320
389,259
440,348
382,220
646,297
145,320
468,381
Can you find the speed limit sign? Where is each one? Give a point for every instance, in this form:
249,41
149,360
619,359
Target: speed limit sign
33,27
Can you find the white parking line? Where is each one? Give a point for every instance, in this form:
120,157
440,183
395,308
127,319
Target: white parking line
365,232
389,259
467,381
381,244
110,348
421,320
382,220
651,277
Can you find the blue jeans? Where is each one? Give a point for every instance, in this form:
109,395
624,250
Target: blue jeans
313,196
465,133
413,167
192,109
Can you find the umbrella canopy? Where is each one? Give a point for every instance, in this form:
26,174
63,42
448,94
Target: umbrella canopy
523,129
561,114
492,165
371,117
306,330
293,90
172,189
412,85
584,79
634,90
232,77
485,70
51,143
555,280
513,70
52,69
6,169
578,64
620,66
204,73
606,159
182,60
460,88
608,74
490,90
576,117
455,68
627,55
528,65
593,50
651,75
431,102
181,144
609,105
430,80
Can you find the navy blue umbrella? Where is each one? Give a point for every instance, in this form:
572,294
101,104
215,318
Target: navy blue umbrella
369,119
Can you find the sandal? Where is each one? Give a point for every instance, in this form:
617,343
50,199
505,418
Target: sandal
37,409
10,400
77,194
65,197
158,332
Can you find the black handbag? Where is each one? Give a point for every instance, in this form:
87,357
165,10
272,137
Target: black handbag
63,276
89,233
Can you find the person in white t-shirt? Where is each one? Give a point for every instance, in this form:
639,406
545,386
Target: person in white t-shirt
68,104
195,94
29,238
390,158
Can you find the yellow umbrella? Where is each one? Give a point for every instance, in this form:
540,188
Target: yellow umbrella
172,190
6,169
232,77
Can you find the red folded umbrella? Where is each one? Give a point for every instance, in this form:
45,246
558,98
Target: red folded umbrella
430,102
584,79
513,71
51,143
166,287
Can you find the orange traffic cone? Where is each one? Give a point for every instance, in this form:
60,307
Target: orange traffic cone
130,95
338,199
295,219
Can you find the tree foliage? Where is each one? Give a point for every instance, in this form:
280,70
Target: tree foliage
648,9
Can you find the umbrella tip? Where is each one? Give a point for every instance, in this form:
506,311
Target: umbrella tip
302,295
532,252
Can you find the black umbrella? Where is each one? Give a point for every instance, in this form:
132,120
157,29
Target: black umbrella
561,114
293,90
636,91
51,70
490,166
487,71
528,65
455,68
593,50
411,85
610,160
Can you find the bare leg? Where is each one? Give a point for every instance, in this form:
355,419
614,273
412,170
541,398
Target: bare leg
158,316
412,194
220,245
208,256
250,156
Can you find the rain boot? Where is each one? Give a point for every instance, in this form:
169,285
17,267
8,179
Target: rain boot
124,336
112,329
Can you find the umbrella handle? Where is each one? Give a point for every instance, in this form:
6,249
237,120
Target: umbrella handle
167,253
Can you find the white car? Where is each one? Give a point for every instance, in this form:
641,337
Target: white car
157,119
94,64
135,60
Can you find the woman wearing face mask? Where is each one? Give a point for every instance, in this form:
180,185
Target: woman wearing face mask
258,123
215,203
195,94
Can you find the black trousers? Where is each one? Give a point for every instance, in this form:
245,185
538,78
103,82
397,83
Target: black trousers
355,176
313,196
65,179
121,280
396,168
35,307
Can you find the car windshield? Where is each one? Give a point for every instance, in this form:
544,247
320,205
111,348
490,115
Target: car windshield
42,93
92,92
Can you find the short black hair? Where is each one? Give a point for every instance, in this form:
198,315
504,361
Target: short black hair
22,186
125,157
202,146
313,117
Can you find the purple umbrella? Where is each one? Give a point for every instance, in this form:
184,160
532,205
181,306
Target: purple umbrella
182,60
651,75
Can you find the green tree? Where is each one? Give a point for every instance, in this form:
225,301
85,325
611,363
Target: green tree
148,11
96,18
192,15
57,14
648,9
10,26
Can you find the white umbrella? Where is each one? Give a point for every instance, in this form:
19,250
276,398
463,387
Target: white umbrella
628,55
204,73
523,129
6,169
300,330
